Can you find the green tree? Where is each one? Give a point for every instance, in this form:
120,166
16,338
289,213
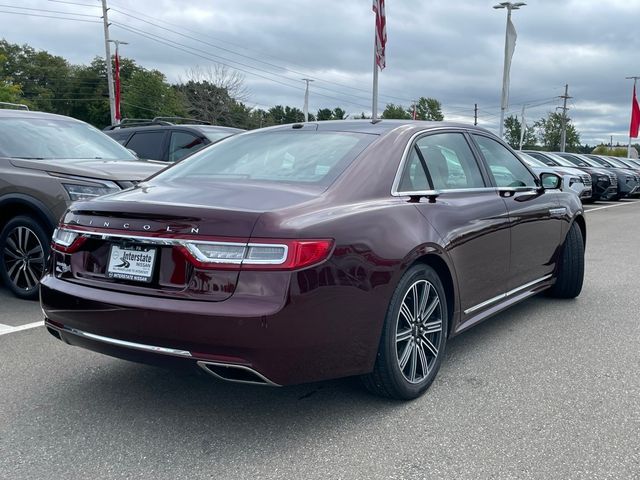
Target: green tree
429,109
338,114
512,131
146,93
393,111
324,114
613,151
549,132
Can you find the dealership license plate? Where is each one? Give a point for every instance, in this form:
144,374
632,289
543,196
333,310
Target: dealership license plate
131,263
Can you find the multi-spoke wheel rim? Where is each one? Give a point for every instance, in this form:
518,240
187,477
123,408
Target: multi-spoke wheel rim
418,331
23,258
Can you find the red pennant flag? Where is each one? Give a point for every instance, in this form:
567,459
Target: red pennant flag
381,32
635,116
117,85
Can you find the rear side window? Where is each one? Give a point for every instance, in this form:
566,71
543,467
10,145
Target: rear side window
449,161
183,144
506,168
147,145
303,157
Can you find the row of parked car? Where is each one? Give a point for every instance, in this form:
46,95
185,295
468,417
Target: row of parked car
591,177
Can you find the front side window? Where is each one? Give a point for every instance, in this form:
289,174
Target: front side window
506,168
449,161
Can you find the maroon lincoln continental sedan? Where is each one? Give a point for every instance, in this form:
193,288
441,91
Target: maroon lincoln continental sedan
313,251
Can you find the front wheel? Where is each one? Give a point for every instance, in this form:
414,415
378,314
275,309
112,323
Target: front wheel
571,266
24,247
413,337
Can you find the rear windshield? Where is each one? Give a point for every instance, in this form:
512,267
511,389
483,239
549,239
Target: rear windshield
47,139
299,157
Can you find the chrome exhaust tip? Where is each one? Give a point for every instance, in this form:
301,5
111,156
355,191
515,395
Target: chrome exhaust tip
235,373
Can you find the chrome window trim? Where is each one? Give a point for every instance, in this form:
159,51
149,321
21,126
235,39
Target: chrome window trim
502,296
188,245
405,156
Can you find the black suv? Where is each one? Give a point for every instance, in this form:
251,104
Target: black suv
162,139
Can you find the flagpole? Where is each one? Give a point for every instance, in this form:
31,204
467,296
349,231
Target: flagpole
635,79
374,100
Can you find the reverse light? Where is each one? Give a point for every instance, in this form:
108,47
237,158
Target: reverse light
66,241
269,254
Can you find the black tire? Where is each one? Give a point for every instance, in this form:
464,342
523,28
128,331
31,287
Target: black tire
571,266
389,378
24,249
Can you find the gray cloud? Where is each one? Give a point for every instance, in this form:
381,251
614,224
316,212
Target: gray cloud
450,51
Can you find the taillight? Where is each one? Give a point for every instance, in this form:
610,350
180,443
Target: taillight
212,252
66,241
266,255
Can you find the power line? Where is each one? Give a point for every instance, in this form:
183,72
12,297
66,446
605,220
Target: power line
236,61
281,67
49,11
75,3
208,56
50,16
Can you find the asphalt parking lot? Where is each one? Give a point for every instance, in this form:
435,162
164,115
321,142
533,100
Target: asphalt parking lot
549,389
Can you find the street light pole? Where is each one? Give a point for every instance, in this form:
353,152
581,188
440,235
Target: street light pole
507,59
306,99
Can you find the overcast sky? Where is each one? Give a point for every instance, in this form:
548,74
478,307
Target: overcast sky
449,50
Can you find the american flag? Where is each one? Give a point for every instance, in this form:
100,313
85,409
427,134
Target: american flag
381,32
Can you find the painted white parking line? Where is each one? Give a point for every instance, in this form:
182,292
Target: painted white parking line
610,206
6,329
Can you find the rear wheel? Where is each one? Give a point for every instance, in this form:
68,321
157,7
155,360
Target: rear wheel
571,267
413,338
24,247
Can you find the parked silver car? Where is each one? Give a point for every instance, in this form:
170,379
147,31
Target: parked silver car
573,180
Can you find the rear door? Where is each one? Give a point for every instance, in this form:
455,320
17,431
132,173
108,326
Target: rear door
535,216
468,214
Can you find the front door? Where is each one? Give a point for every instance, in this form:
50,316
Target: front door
535,215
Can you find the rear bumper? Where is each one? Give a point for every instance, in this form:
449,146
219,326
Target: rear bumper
287,340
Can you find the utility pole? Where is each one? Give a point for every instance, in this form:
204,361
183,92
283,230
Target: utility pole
635,80
563,135
475,114
107,50
523,125
306,99
414,114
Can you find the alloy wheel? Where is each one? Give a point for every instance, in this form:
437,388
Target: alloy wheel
23,258
418,331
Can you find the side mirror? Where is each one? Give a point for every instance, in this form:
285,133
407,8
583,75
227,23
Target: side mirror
550,181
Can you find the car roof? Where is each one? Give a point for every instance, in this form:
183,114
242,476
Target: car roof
378,128
182,126
8,112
